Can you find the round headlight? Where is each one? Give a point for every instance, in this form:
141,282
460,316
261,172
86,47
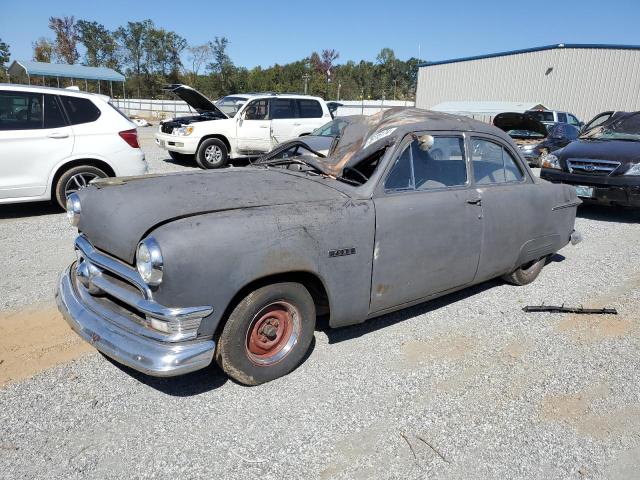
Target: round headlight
149,261
73,209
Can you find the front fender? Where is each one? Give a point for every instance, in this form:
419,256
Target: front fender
210,258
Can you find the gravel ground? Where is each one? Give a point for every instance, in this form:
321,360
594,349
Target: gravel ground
467,386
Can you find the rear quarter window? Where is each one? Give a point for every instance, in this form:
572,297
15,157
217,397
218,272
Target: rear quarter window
309,109
80,110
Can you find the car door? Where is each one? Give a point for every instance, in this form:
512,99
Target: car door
512,209
254,128
284,124
34,138
428,223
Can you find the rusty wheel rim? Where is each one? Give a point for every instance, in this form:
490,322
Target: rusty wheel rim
273,333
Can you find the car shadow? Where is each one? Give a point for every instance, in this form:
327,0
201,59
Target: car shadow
191,384
31,209
336,335
606,213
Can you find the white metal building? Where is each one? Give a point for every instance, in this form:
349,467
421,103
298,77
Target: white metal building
582,79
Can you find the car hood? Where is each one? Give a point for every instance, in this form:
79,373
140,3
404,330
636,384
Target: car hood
195,99
616,150
118,212
519,121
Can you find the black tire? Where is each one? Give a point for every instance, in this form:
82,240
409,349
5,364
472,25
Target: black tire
74,179
245,334
525,274
212,153
180,157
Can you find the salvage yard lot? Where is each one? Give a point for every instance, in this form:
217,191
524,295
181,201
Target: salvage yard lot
467,386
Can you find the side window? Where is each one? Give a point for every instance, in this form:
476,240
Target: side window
427,163
562,117
309,109
573,120
257,110
20,111
283,108
492,163
439,165
53,117
80,110
400,176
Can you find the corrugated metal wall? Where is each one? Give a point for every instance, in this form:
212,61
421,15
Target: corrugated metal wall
584,81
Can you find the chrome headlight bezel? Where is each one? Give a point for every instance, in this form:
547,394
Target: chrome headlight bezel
149,261
182,131
74,209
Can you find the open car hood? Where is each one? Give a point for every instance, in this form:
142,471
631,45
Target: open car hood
515,121
194,99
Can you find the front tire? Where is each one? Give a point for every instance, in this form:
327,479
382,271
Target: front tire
268,334
73,180
212,153
525,274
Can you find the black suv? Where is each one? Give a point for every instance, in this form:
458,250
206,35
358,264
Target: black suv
603,164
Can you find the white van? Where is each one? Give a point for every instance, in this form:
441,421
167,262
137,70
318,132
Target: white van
54,141
261,123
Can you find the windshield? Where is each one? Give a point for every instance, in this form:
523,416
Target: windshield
332,129
230,104
619,127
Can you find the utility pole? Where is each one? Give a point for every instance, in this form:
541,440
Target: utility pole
306,78
395,81
339,85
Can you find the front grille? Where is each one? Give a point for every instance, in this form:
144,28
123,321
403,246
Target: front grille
166,127
591,166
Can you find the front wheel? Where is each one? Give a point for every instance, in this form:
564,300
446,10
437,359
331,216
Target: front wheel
268,334
212,153
526,273
73,180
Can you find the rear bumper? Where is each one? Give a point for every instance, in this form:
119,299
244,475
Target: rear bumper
144,354
608,190
187,145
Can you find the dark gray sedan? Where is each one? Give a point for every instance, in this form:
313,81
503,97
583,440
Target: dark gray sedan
176,270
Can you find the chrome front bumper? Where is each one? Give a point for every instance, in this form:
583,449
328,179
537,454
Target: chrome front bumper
153,357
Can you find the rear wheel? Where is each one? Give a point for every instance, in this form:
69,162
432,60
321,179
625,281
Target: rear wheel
267,334
180,157
73,180
526,273
212,153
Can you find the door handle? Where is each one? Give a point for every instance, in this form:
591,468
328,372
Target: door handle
474,201
297,124
58,135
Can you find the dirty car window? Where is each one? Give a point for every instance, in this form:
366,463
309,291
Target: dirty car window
492,163
440,165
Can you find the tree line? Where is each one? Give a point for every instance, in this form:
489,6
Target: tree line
151,56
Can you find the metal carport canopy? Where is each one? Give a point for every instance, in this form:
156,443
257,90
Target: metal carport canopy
42,69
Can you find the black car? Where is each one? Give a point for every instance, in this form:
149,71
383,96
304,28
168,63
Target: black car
603,164
533,137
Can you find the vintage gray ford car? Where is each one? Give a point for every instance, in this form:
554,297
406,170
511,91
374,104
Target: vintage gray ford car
175,270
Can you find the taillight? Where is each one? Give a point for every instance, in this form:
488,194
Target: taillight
131,137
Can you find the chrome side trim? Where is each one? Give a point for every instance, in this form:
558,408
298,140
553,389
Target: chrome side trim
140,353
574,203
112,265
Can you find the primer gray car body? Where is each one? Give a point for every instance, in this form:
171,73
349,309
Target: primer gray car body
362,250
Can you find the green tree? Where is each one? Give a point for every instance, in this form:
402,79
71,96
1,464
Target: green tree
66,41
4,58
133,39
100,44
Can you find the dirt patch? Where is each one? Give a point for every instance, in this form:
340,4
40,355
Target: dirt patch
448,348
587,329
33,340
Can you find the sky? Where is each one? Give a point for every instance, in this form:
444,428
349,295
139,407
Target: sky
268,32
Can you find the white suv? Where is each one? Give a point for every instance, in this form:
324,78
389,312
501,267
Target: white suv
263,122
54,141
